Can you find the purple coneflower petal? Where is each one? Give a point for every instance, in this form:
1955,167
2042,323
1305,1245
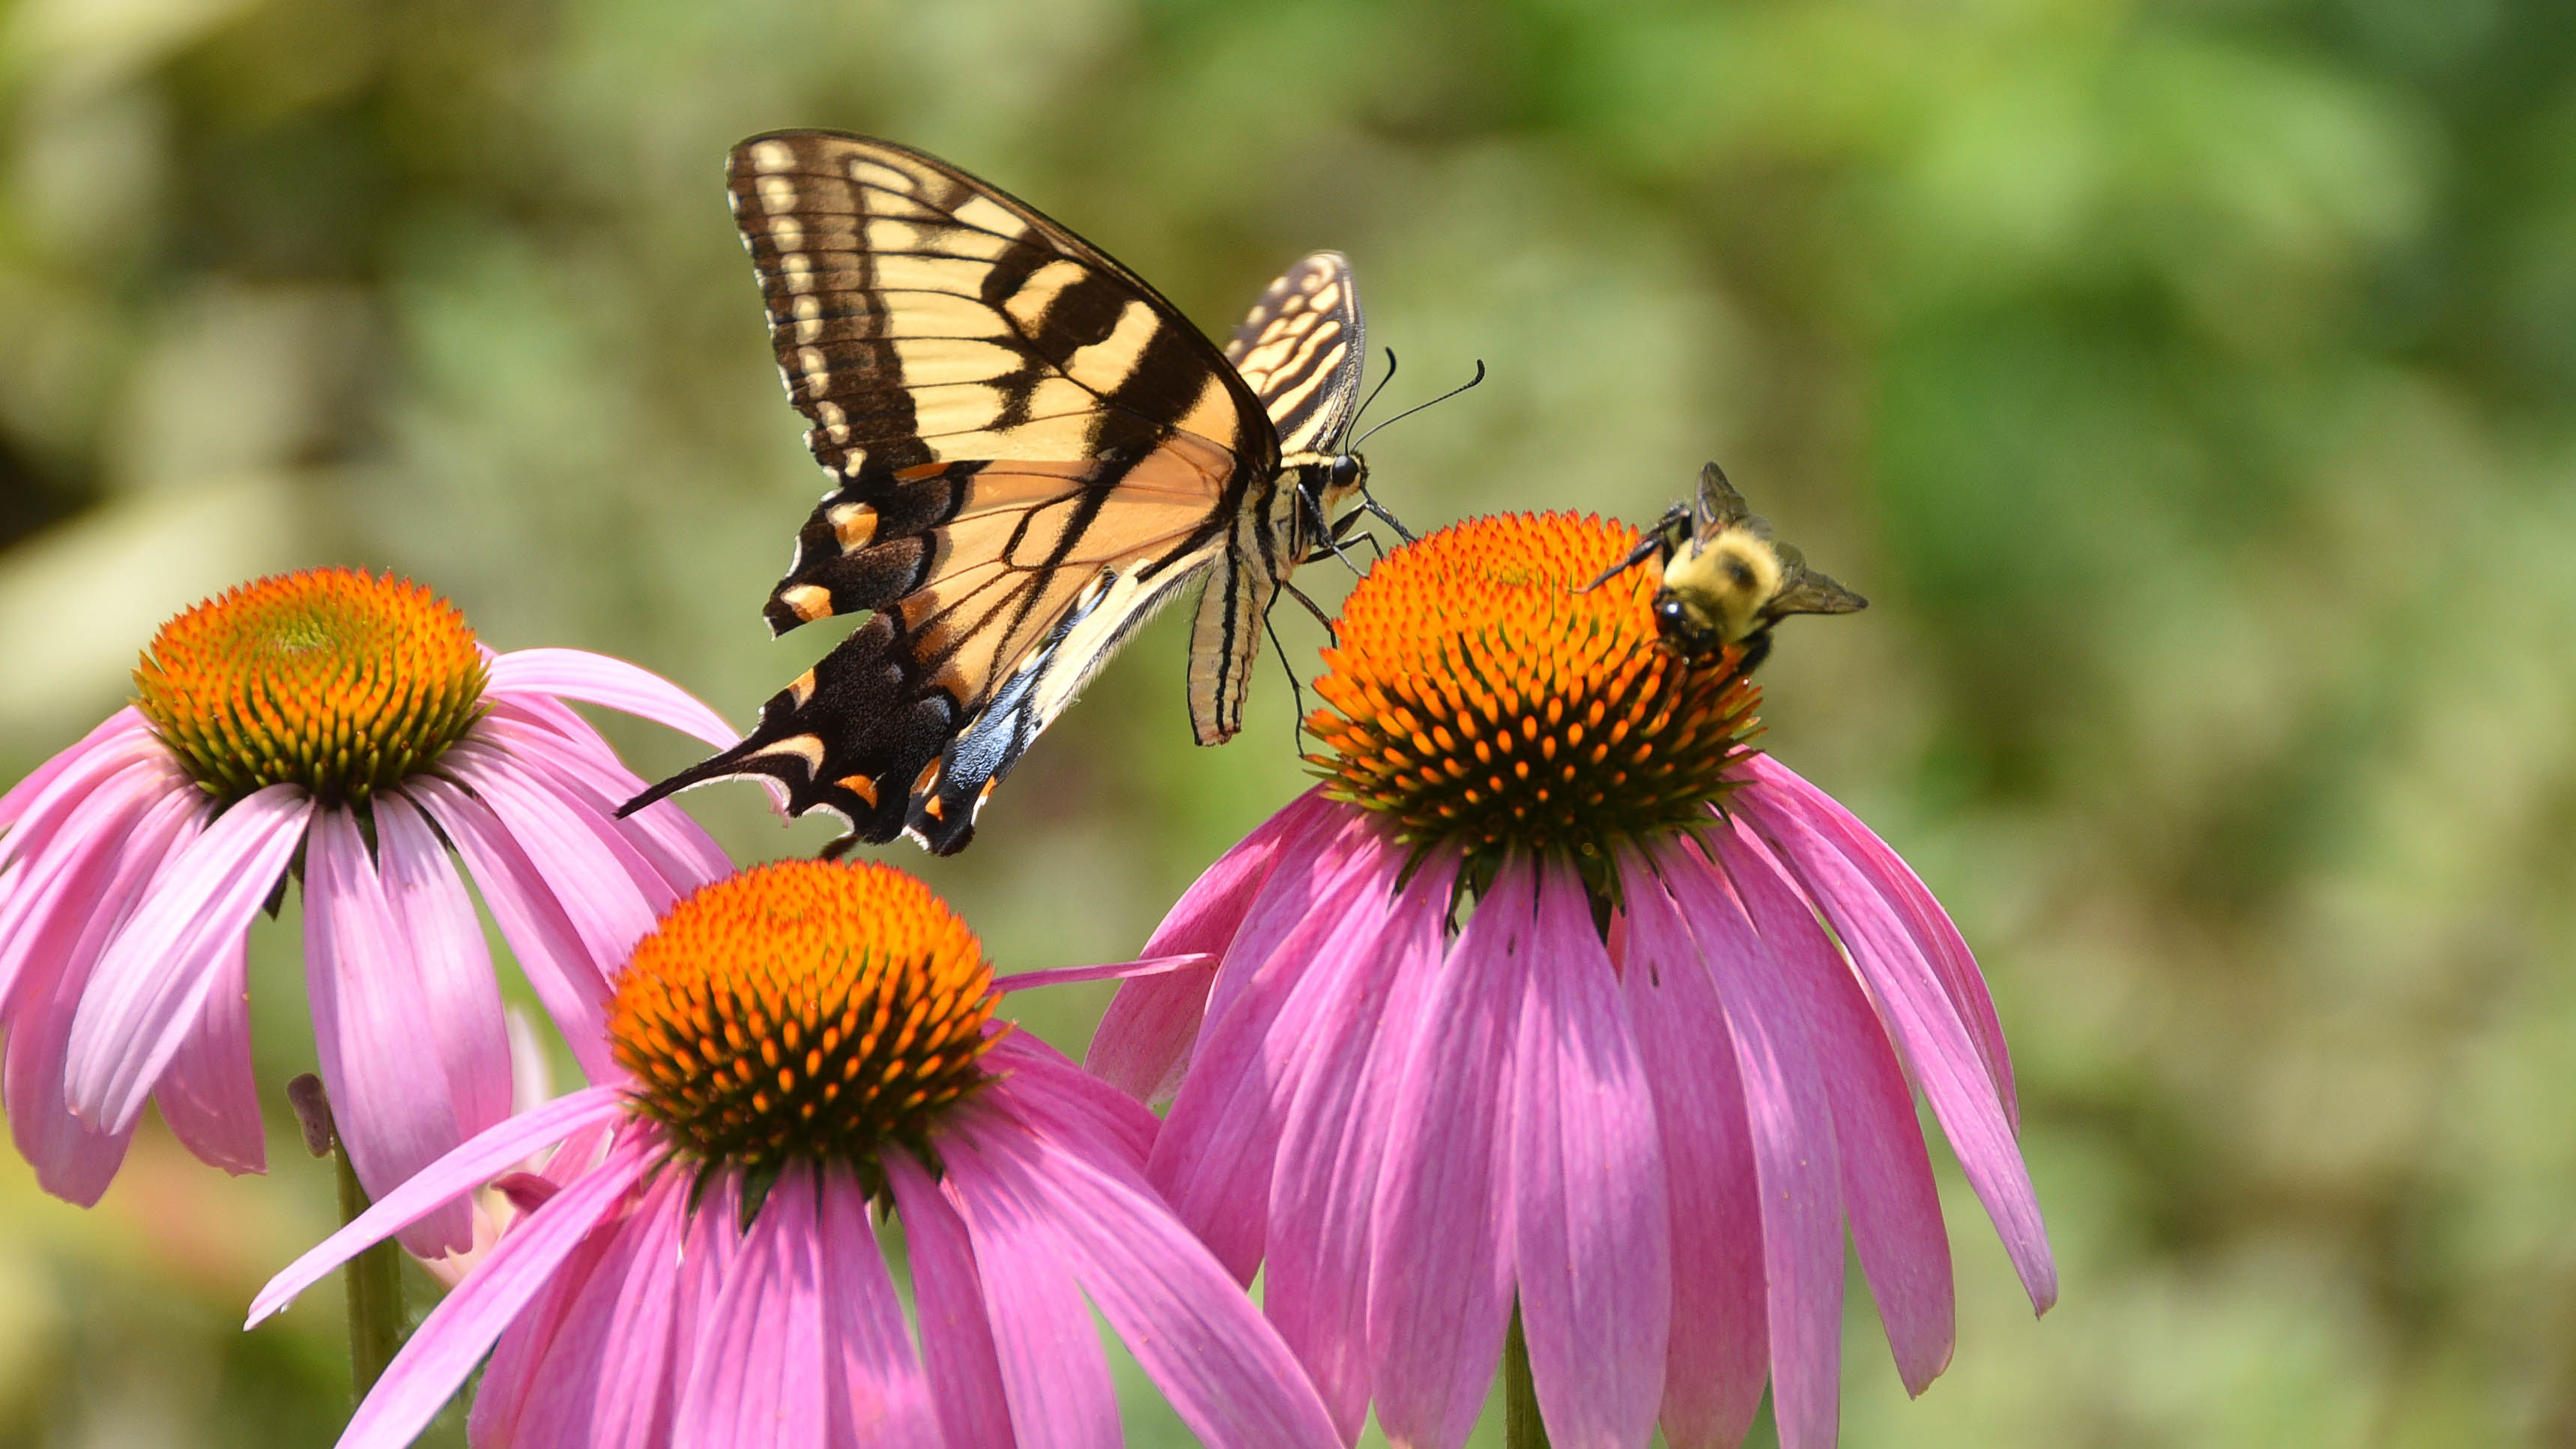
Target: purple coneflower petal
390,1099
1143,1042
957,1353
38,803
588,772
210,1095
1720,1345
461,996
708,1251
57,888
88,752
1928,1029
462,1328
603,883
149,988
1064,1099
759,1375
458,1173
1192,1330
1894,1208
1102,971
1440,1289
1053,1371
567,979
1592,1236
598,679
1931,926
1338,1097
551,1368
1795,1162
877,1393
1212,1160
92,893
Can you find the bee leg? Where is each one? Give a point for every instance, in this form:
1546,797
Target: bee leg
1648,546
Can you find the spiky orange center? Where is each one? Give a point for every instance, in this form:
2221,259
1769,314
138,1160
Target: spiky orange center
1480,700
803,1010
334,679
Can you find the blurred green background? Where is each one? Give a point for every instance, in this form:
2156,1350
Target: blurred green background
2187,384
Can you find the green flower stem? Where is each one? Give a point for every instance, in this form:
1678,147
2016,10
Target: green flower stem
1521,1426
374,1279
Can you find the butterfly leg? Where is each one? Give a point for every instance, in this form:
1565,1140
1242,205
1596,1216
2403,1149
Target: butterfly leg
1369,503
1296,688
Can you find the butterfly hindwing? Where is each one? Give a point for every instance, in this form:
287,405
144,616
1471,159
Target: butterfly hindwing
1030,451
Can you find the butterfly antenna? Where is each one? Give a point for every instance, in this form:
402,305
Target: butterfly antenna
1417,407
1373,392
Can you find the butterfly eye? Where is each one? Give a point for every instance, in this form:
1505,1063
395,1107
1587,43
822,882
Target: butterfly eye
1346,472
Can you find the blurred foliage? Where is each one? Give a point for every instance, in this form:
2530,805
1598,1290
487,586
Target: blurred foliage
2188,384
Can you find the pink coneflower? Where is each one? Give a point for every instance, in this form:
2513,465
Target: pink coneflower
348,731
795,1043
1640,1093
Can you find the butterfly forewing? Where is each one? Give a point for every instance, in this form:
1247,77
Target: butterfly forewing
1300,349
1030,451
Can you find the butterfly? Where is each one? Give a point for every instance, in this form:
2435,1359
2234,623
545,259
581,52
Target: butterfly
1030,451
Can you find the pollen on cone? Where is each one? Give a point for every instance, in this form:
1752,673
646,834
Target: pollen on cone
1481,696
804,1010
334,679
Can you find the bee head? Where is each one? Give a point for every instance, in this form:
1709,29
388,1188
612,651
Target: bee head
1733,585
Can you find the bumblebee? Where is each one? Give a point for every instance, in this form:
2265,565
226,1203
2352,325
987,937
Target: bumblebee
1726,580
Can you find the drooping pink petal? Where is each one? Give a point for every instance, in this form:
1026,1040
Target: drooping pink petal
639,1361
1358,1008
36,805
1193,1332
548,1369
1927,1028
60,886
1054,1374
1592,1234
1934,933
1720,1346
1795,1162
210,1095
1212,1160
390,1099
569,981
97,892
148,990
708,1252
957,1353
461,1329
458,1173
877,1394
759,1377
1143,1042
588,774
1440,1277
1103,971
1073,1104
1314,865
599,878
598,679
458,989
1886,1174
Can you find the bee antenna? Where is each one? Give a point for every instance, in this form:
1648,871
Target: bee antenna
1417,407
1372,397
